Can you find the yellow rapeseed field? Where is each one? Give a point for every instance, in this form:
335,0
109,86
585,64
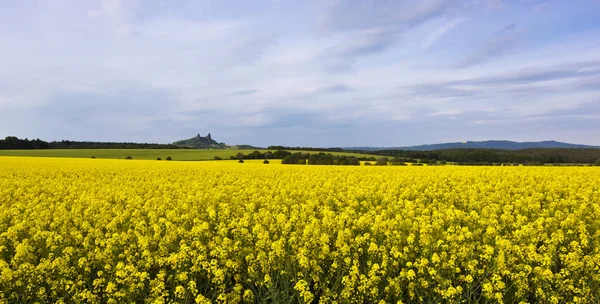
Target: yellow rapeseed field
117,231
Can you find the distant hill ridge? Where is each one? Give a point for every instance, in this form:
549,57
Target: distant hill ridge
488,144
200,142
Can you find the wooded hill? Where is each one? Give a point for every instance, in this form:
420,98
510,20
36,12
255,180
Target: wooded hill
199,142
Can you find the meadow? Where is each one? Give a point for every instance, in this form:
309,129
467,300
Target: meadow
147,154
117,231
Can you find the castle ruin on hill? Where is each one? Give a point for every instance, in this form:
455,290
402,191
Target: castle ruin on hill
207,137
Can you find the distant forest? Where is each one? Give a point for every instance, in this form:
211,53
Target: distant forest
491,156
14,143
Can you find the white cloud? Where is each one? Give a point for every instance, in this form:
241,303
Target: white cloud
365,65
439,32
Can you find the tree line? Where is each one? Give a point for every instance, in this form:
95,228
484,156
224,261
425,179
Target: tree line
279,154
491,156
326,159
14,143
68,144
303,158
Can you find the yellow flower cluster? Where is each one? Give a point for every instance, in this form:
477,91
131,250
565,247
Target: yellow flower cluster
113,231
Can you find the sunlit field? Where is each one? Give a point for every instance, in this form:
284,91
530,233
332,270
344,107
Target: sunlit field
118,231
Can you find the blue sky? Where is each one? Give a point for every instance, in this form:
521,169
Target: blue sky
305,73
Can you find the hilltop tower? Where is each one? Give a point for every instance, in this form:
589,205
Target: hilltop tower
208,136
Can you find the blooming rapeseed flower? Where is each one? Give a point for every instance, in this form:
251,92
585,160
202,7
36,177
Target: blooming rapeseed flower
111,231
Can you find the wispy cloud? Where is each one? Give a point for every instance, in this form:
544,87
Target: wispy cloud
352,15
337,88
245,92
498,45
439,32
